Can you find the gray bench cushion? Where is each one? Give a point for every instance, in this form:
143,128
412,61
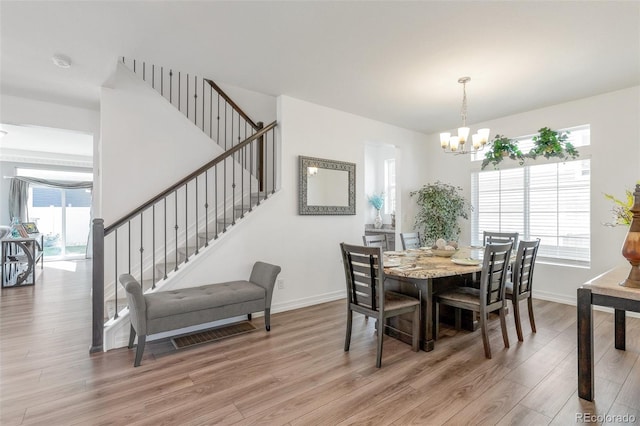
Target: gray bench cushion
175,302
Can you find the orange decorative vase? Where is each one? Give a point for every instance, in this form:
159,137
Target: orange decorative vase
631,246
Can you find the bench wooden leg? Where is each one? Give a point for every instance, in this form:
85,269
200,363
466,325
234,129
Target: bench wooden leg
139,350
267,319
132,336
248,317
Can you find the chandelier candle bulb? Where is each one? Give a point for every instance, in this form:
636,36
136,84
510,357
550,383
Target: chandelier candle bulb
463,134
453,143
444,139
476,140
484,136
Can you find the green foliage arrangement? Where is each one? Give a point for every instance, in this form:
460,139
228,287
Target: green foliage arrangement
547,143
440,207
550,143
502,147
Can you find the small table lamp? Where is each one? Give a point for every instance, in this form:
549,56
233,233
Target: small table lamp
631,246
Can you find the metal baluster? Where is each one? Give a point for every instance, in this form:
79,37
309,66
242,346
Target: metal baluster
197,242
203,98
211,113
144,66
129,246
115,315
215,217
186,223
153,246
171,86
162,81
233,174
273,168
134,65
224,181
176,211
153,76
179,90
251,144
206,208
195,100
165,238
141,250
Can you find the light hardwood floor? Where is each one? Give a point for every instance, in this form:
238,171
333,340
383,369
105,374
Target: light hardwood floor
298,374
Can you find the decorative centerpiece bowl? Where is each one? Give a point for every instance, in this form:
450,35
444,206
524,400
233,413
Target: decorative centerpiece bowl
443,253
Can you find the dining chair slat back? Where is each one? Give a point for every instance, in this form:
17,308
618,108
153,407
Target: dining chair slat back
491,237
366,294
410,240
521,286
488,298
378,240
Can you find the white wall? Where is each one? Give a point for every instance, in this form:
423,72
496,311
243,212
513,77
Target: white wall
307,247
147,145
32,112
615,166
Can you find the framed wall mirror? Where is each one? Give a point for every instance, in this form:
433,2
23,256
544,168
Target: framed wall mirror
326,187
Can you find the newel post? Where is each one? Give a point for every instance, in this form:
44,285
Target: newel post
260,173
98,286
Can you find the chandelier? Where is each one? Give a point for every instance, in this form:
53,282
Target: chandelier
458,144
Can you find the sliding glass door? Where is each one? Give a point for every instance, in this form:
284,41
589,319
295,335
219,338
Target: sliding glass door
63,216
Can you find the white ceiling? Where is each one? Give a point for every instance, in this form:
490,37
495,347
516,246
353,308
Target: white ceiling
393,61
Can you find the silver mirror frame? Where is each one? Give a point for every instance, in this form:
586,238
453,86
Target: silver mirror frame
304,208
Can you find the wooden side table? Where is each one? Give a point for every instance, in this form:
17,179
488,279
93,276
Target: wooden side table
603,290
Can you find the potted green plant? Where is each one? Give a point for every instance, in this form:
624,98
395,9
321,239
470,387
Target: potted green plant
550,143
440,206
502,147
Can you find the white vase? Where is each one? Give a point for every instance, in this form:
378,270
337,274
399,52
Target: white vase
377,222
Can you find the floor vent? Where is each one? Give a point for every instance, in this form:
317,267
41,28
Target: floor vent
212,334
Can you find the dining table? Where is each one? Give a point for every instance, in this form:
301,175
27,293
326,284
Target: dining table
422,273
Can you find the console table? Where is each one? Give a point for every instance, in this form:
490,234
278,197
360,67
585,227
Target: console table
603,290
19,257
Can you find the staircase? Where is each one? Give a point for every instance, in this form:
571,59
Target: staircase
160,237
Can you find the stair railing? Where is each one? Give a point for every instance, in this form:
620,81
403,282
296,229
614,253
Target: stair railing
203,102
163,233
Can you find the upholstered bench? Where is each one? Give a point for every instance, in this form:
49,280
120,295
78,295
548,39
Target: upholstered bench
169,310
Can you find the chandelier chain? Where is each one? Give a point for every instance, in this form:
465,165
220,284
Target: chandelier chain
463,111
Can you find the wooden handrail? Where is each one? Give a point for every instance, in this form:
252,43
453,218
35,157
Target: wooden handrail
233,104
188,178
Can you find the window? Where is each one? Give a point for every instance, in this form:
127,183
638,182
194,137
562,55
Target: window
550,201
390,186
62,215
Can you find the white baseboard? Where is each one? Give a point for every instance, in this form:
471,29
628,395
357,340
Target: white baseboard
308,301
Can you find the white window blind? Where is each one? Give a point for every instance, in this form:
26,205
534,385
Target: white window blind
547,201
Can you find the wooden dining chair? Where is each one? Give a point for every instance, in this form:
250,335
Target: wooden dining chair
410,240
379,240
520,287
490,237
366,294
488,298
